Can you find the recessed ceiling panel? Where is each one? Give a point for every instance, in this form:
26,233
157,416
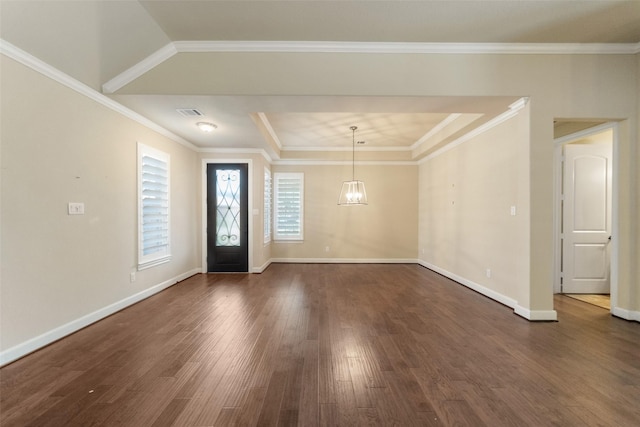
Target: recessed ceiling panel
331,130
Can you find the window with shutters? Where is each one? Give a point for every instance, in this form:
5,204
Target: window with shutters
288,206
153,207
267,205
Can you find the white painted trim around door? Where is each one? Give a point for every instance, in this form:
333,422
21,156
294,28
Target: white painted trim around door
249,163
557,199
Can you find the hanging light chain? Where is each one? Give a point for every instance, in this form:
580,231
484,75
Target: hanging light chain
353,153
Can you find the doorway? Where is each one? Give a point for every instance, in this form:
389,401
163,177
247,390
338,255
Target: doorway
227,219
584,212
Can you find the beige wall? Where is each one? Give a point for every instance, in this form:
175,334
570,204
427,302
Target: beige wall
383,230
466,194
57,147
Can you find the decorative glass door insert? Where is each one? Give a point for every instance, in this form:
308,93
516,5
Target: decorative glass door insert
228,222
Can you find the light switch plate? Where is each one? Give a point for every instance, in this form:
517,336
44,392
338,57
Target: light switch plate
76,208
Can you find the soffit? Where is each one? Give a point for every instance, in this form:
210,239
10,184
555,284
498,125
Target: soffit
499,21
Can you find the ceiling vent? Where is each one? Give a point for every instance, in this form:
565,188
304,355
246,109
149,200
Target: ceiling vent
189,112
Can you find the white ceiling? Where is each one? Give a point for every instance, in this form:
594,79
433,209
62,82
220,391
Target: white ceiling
96,41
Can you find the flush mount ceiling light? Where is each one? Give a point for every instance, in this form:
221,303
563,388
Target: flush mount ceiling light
353,192
206,126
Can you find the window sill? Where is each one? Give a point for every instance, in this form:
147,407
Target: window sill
153,263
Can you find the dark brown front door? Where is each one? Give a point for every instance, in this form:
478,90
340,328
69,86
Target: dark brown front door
227,216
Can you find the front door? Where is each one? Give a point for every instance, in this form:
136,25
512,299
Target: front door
227,216
587,217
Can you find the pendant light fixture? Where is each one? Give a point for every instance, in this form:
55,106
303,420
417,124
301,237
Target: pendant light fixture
353,192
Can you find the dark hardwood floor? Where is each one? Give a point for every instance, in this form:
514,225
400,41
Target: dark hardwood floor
323,345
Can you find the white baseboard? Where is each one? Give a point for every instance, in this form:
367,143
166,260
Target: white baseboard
626,314
262,268
33,344
345,260
535,315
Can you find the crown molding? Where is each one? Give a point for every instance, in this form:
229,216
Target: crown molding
344,163
147,64
349,149
269,128
411,47
437,128
173,48
47,70
511,112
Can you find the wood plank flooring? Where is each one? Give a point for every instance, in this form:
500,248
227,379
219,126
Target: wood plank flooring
602,301
331,345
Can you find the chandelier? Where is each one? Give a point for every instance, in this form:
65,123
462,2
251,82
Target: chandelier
353,192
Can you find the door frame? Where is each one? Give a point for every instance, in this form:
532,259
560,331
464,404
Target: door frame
557,203
203,232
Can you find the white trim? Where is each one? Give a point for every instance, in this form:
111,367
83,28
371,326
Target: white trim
519,104
502,299
262,268
344,260
626,314
277,177
47,70
583,133
164,255
148,264
267,207
147,64
269,128
406,47
33,344
437,128
342,163
536,315
511,112
615,222
370,148
249,163
259,151
636,49
557,220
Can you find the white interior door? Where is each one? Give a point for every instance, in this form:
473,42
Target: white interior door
586,226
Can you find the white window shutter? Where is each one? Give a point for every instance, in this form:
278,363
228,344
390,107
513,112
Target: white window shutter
267,205
288,206
153,207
